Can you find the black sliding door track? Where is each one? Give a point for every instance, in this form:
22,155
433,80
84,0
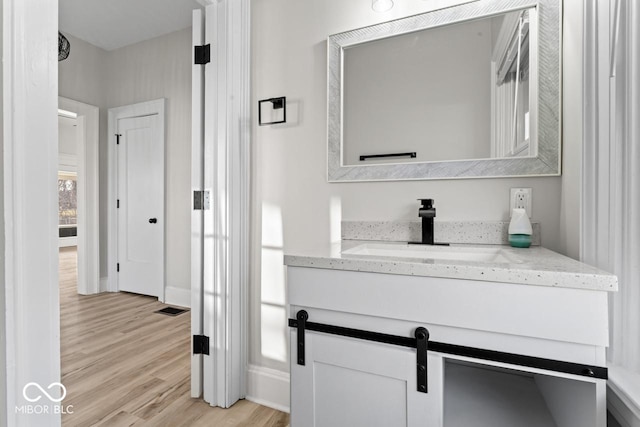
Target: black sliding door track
421,342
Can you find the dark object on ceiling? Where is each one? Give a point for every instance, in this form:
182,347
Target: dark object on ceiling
63,47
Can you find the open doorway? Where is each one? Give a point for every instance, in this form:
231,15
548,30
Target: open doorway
78,191
67,221
68,142
104,349
36,287
122,363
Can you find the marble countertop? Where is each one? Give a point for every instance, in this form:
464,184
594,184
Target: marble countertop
531,266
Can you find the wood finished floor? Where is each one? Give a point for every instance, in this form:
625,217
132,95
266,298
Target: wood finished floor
124,365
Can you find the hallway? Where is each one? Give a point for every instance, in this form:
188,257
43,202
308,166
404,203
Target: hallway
124,365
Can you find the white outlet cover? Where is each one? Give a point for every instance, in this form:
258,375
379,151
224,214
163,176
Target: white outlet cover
526,194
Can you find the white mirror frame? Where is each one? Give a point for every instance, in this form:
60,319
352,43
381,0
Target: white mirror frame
547,161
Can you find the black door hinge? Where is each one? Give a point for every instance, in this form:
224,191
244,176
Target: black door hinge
118,135
200,200
200,344
202,54
118,267
118,204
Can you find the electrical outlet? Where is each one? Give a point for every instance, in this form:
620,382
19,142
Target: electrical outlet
521,199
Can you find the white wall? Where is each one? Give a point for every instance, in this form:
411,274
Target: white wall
67,144
82,77
294,208
569,238
67,136
156,68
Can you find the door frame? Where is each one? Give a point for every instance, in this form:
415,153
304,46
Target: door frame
147,108
197,217
220,234
30,341
88,194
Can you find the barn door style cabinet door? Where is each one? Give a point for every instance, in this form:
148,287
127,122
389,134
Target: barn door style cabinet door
352,382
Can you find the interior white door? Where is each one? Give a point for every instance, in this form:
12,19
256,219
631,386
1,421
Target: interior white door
220,229
140,205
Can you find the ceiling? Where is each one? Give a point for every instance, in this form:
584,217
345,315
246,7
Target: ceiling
111,24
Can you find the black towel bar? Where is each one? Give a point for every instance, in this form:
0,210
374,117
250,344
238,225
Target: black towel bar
376,156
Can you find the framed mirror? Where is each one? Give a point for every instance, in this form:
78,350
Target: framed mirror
468,91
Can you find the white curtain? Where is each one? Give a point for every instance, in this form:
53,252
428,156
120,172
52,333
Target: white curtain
625,180
611,180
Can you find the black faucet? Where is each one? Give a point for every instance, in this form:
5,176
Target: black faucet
427,212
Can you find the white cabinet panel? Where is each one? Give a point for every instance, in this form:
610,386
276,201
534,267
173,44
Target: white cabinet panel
574,403
340,399
481,397
350,382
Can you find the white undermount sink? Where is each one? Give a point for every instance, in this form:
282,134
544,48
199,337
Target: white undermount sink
450,253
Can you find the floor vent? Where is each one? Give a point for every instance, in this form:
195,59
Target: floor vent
171,311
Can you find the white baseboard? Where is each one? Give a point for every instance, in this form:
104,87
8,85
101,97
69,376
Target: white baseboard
623,396
268,387
177,296
104,284
66,242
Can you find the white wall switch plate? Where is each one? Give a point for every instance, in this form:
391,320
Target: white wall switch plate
521,198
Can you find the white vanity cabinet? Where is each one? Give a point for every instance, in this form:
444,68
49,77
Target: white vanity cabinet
349,381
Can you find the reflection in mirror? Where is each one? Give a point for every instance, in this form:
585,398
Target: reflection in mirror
467,91
511,63
447,93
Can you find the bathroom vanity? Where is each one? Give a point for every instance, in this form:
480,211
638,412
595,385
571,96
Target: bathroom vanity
511,337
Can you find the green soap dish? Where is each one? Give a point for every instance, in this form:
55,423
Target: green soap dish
520,240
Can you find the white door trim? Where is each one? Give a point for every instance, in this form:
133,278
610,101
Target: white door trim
197,174
30,168
595,243
88,195
135,110
226,225
608,186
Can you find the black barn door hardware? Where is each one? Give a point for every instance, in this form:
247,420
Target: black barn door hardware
422,344
419,342
520,360
377,156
